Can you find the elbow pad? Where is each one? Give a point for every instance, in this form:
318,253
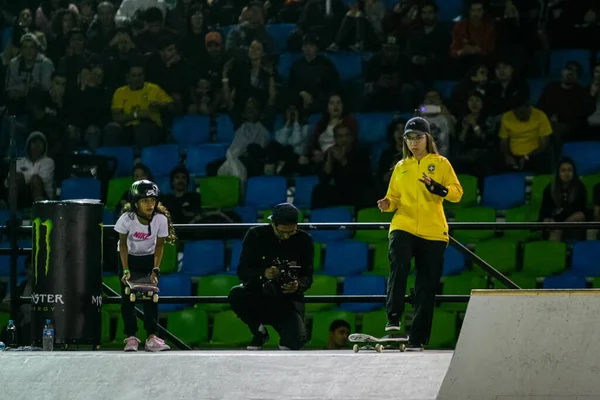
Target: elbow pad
437,189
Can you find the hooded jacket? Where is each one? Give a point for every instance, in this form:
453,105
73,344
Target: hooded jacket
44,167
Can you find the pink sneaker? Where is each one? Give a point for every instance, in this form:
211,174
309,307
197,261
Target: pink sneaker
131,343
156,344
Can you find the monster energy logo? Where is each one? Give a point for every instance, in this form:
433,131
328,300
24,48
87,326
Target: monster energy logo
37,224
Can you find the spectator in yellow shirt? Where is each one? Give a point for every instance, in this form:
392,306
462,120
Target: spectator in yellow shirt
137,110
525,138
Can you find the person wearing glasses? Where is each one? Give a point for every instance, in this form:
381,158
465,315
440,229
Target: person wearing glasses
420,182
275,269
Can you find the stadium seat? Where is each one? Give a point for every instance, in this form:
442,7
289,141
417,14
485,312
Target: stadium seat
203,257
286,60
116,188
169,262
304,188
106,331
381,262
461,285
264,192
584,155
504,191
470,191
449,10
198,157
80,188
6,38
216,285
225,130
444,330
590,182
363,285
499,253
5,263
334,214
219,191
373,215
565,281
189,325
229,331
346,258
173,285
248,214
114,282
544,258
318,259
108,217
373,323
454,261
348,65
445,88
279,34
191,130
536,87
586,258
322,286
524,281
372,127
321,321
474,214
161,159
558,59
236,251
538,185
124,156
225,30
526,213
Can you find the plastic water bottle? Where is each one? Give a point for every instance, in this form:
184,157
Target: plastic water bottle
2,346
11,334
48,336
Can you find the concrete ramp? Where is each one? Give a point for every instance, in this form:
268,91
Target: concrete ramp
527,345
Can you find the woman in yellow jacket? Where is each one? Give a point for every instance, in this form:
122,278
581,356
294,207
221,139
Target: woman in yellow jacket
419,184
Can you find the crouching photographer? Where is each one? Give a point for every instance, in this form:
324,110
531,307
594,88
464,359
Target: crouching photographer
276,268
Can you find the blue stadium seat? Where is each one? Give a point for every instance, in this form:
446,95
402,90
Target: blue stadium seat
164,184
198,157
504,191
449,9
454,261
304,188
286,60
372,127
248,214
444,88
124,156
175,284
585,156
108,218
6,37
203,257
348,65
333,214
5,263
161,159
236,251
80,188
567,280
586,258
191,130
363,285
264,192
279,33
225,130
536,87
225,31
345,258
558,59
313,119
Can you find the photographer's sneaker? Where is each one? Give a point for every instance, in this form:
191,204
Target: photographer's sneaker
131,343
156,344
414,347
259,339
393,325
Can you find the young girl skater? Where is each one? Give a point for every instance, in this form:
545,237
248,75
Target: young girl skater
143,228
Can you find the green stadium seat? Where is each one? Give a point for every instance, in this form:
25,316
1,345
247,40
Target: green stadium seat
499,253
373,323
219,191
216,285
524,281
527,213
589,181
461,285
381,263
320,326
168,264
596,282
444,330
322,286
229,331
318,258
373,215
190,325
474,214
538,185
106,328
116,188
544,258
113,282
120,336
4,318
470,189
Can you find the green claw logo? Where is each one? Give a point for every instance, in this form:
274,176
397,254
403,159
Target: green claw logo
37,224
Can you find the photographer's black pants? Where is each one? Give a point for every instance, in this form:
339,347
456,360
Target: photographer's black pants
255,308
139,267
429,263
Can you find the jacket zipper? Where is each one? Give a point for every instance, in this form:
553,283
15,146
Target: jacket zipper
417,197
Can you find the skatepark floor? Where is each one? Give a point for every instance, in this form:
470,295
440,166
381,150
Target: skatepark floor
224,375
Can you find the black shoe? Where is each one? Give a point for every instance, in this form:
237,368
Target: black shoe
392,325
259,339
414,347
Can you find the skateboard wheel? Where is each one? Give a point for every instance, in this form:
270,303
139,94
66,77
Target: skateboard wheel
379,348
355,348
127,290
155,298
402,347
150,294
132,297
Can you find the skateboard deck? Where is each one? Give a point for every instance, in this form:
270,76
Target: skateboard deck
142,287
369,342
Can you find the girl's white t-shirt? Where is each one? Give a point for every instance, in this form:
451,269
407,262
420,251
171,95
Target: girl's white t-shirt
139,243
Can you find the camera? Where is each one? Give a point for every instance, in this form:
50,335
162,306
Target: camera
288,272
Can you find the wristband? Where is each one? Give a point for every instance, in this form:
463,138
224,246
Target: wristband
437,189
125,271
156,271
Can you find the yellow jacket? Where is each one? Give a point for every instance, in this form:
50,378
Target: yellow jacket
417,211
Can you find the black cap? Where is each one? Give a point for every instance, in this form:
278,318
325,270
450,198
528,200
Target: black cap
417,124
284,214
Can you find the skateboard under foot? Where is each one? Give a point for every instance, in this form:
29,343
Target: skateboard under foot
369,342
